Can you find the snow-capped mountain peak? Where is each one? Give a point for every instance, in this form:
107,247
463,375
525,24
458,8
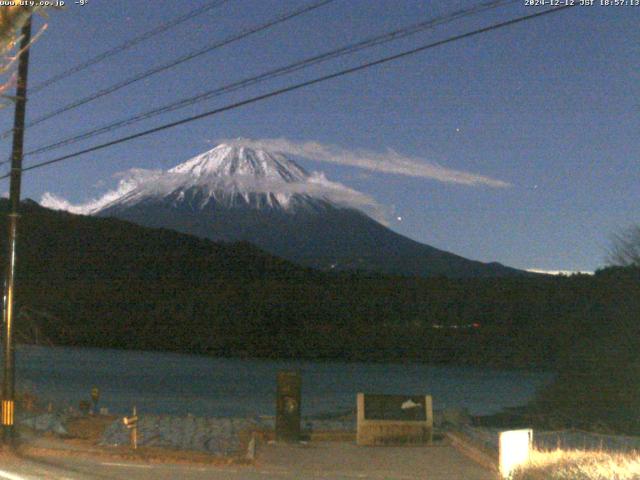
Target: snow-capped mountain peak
232,161
231,175
239,192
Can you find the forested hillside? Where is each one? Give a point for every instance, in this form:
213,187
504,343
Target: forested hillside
108,283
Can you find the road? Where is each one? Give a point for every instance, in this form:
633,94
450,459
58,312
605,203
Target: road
316,461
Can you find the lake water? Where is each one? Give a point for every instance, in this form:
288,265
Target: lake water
166,383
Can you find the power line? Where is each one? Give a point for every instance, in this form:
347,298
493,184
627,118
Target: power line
278,72
128,44
296,87
190,56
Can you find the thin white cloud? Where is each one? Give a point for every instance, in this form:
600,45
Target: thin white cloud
139,183
387,162
129,181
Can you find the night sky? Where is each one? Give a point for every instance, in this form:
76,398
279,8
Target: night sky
545,115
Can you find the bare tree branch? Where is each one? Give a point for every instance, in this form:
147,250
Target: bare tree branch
625,248
12,19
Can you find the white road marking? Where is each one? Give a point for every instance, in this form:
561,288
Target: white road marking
127,465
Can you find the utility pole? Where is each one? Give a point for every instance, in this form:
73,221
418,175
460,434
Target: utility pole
8,381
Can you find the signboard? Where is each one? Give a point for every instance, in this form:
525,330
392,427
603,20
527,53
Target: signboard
288,406
394,419
395,407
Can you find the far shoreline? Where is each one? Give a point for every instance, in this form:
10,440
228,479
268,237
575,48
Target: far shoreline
497,366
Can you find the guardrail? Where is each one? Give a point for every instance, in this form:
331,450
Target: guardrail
483,444
570,439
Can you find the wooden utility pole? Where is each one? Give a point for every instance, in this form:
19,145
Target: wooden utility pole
8,381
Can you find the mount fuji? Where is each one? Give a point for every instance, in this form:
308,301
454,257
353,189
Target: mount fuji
236,193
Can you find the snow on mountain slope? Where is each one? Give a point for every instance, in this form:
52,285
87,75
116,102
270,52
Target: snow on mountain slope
233,161
231,176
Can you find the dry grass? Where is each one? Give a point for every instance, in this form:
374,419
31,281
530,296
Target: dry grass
580,465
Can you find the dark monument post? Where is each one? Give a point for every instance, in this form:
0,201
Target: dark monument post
288,407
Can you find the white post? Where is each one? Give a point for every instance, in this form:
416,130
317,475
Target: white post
515,450
428,404
360,418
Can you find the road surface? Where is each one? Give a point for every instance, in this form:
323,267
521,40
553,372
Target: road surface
314,461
